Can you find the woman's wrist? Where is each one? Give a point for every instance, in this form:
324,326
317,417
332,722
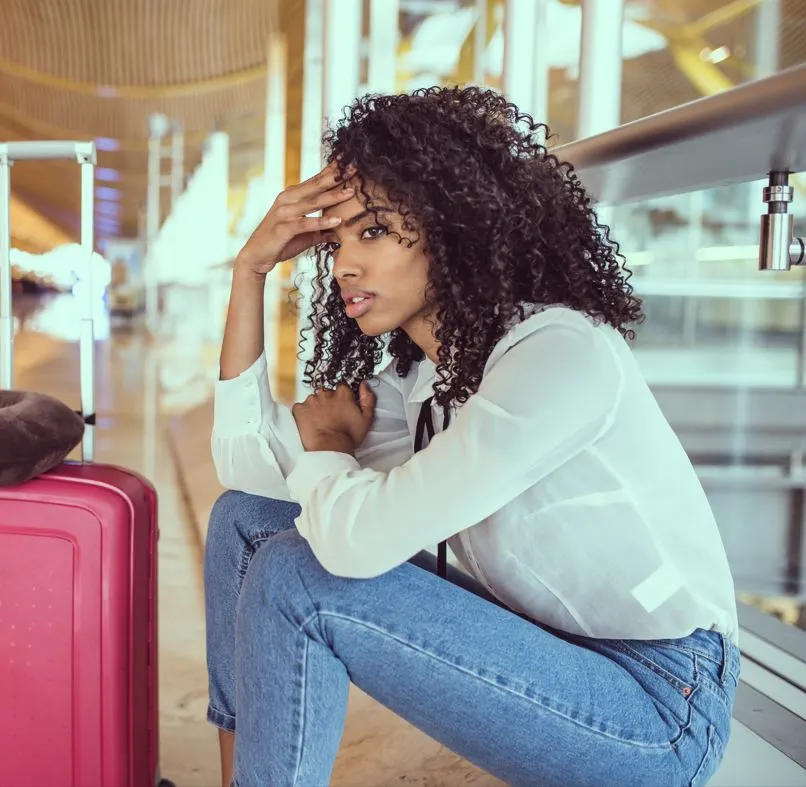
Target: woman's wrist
243,270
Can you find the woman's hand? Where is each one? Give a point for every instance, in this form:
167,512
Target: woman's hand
334,421
286,230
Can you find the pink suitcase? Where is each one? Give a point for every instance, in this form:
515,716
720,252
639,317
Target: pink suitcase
78,587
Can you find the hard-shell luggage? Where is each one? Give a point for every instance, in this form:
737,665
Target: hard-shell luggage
78,582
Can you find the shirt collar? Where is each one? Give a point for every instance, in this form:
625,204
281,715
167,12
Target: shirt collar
424,384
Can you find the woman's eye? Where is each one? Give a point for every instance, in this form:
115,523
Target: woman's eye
370,233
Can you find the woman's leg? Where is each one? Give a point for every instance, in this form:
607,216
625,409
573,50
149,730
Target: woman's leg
239,523
521,703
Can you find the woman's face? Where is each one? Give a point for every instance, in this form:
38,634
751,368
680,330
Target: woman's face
383,281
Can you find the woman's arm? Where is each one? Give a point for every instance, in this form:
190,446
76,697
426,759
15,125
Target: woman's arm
549,397
255,441
243,331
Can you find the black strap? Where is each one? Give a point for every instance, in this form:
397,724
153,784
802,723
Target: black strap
425,424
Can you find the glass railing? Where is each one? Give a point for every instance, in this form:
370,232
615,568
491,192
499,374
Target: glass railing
724,343
724,350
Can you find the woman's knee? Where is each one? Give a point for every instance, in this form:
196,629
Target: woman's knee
238,517
282,572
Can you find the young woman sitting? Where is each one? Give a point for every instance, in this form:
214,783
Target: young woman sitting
472,383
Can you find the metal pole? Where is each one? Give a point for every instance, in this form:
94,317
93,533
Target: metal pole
311,156
87,340
384,35
6,311
600,63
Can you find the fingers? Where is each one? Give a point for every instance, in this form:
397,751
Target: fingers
325,180
366,401
316,224
289,207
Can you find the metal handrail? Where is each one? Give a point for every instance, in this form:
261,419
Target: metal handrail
737,136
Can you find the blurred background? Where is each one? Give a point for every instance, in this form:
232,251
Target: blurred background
202,111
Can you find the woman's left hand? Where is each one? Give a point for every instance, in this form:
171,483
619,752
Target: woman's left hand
333,420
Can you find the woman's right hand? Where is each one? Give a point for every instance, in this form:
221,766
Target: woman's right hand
286,230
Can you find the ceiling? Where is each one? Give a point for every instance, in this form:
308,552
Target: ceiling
85,69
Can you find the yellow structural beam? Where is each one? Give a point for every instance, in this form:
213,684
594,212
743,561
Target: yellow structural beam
720,16
195,88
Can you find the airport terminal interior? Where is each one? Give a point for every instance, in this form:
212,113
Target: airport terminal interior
201,111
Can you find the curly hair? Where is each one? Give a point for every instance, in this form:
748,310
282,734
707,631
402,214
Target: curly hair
504,223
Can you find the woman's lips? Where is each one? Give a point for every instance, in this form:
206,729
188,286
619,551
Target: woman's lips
358,305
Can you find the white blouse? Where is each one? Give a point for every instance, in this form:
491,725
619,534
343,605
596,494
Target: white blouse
560,485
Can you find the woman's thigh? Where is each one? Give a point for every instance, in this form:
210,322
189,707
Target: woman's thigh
520,702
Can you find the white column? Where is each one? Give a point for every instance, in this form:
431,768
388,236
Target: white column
310,156
217,196
600,63
480,43
157,127
519,26
384,35
313,88
274,158
768,38
342,61
540,68
526,66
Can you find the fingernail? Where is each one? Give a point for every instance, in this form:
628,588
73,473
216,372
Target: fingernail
334,220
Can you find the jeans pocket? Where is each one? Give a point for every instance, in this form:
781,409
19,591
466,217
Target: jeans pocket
677,667
710,761
669,677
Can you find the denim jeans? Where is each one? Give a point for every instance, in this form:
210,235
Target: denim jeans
530,705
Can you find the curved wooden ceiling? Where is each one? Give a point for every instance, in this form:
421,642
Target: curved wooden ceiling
97,70
91,69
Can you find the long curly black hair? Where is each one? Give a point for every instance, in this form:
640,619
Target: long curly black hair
504,223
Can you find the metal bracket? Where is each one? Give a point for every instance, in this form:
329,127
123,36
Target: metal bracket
778,248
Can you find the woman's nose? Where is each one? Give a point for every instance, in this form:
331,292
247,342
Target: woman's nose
346,267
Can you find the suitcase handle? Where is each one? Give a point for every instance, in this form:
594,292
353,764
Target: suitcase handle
84,153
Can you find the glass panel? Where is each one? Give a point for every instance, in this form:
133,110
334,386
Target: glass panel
718,328
677,53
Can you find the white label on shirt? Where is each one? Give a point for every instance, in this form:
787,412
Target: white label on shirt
658,587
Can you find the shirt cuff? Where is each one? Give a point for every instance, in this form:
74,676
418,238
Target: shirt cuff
313,467
238,403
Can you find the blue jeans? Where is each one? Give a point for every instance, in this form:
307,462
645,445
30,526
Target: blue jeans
530,705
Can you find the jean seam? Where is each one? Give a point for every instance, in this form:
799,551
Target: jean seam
302,706
506,689
677,683
247,552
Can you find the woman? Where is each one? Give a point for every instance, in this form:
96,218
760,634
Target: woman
590,639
